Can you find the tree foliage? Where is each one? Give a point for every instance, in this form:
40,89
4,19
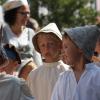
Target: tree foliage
2,1
66,13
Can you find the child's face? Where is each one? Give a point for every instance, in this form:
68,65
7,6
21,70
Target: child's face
49,47
71,54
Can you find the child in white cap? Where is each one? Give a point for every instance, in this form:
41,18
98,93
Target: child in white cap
82,81
48,42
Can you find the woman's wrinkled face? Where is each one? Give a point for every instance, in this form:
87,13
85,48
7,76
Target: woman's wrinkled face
50,47
23,15
71,54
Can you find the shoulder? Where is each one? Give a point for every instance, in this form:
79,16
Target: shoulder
30,31
93,71
92,67
35,72
19,85
12,79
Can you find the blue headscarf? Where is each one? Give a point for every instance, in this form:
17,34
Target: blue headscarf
10,53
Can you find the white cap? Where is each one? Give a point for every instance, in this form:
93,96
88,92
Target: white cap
11,4
50,28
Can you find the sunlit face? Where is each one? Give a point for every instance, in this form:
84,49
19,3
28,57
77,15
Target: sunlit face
23,15
71,53
50,47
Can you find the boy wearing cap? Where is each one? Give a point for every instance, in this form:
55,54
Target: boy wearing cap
13,59
82,81
48,42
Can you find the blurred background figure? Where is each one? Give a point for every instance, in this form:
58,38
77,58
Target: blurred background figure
13,58
1,15
11,88
16,16
98,20
25,70
3,56
33,24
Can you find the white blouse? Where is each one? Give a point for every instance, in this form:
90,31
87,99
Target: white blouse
42,80
88,87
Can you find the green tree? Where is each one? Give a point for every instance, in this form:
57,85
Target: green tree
2,1
66,13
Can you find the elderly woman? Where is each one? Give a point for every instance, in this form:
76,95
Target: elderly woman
13,58
16,15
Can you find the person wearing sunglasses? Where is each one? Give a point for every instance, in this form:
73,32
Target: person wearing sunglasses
16,16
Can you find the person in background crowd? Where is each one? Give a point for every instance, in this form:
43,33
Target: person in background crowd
81,82
11,88
25,70
16,15
13,59
33,24
48,42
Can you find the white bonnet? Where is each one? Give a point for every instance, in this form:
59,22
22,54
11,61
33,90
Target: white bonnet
11,4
